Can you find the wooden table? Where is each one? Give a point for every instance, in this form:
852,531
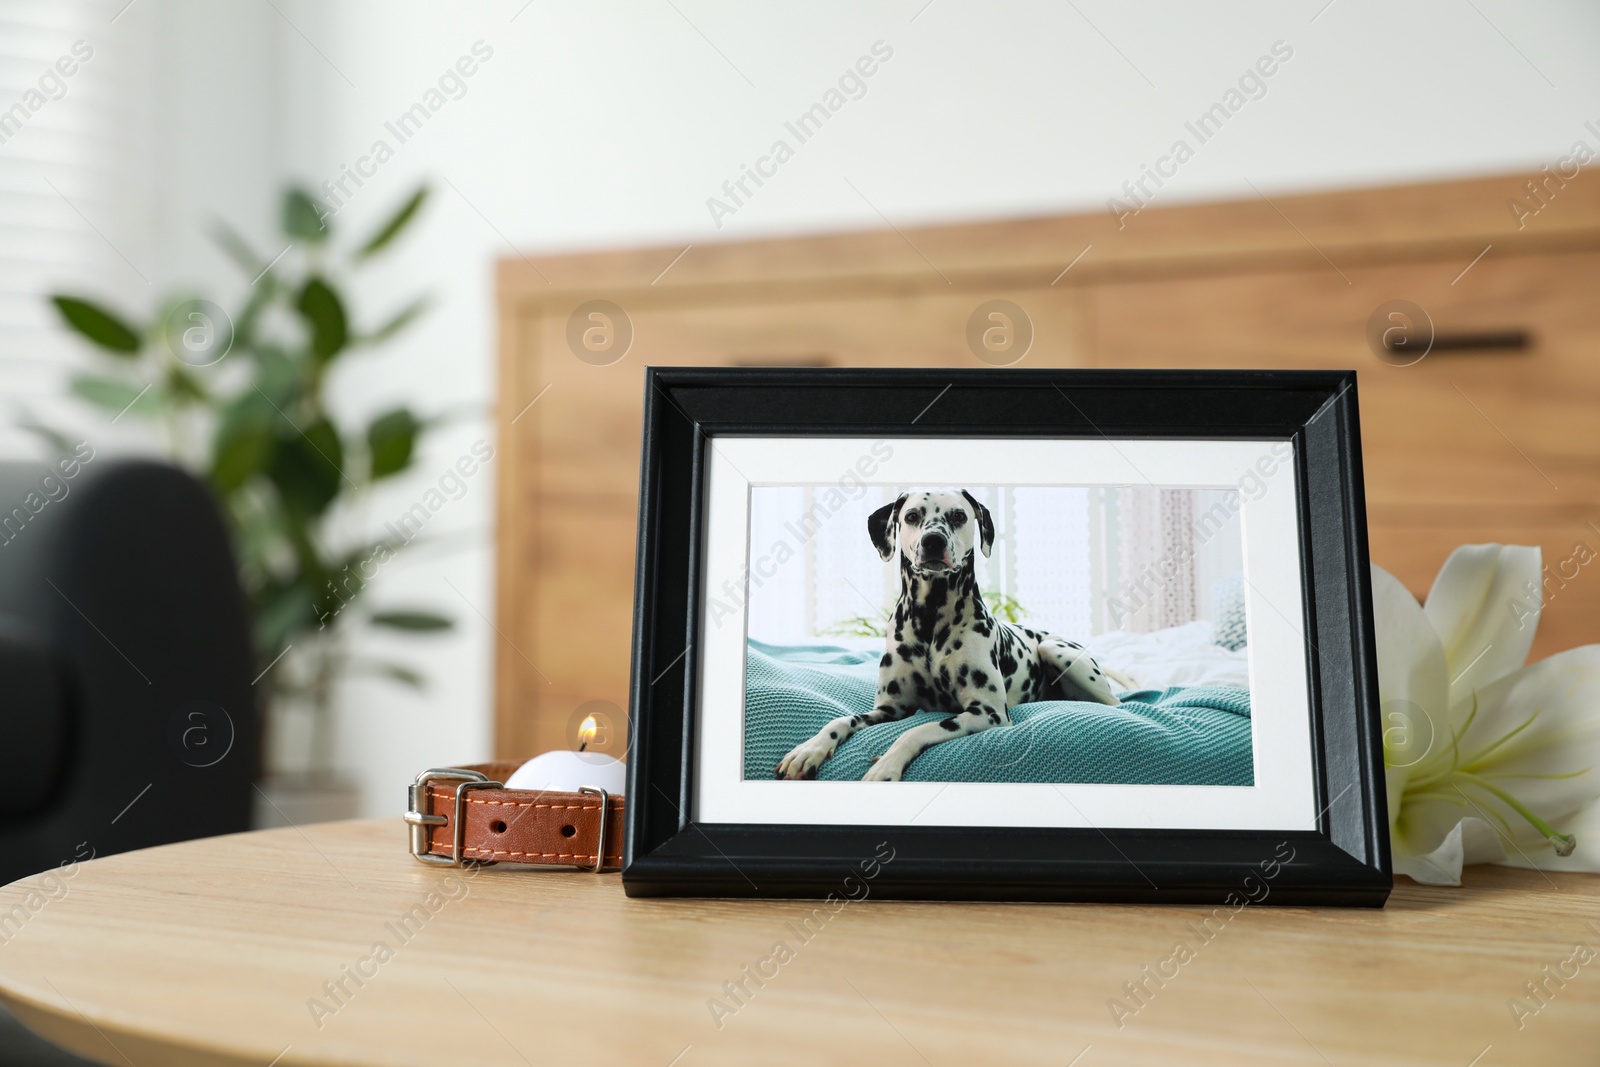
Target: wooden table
233,951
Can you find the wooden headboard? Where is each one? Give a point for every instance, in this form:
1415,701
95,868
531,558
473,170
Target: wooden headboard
1494,436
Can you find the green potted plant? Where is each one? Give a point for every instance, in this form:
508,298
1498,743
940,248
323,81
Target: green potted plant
240,399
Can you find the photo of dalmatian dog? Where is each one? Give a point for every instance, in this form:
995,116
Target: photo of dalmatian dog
946,651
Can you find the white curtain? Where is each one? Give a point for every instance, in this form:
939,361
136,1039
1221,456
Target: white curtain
1160,552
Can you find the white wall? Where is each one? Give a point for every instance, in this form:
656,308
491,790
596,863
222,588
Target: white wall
608,125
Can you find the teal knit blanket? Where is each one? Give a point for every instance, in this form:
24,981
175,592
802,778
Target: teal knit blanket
1196,735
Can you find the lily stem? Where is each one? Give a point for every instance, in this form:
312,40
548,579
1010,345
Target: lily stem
1562,843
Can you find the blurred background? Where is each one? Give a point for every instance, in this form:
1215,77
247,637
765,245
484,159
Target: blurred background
604,188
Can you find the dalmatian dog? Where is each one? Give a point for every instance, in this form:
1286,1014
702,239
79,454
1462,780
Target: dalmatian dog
946,651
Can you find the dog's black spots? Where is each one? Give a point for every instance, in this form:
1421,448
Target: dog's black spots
886,661
937,616
834,734
1073,644
967,578
925,615
893,689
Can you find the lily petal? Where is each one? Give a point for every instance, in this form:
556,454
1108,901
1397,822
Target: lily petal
1470,840
1547,720
1412,681
1411,660
1485,607
1428,820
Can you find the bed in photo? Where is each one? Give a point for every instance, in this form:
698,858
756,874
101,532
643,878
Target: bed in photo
1139,587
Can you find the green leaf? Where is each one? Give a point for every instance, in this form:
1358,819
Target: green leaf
184,385
397,222
307,467
314,575
393,671
347,581
277,375
102,327
244,326
282,609
237,249
324,314
237,456
398,323
855,626
340,589
258,539
113,394
391,439
417,621
48,434
244,441
303,217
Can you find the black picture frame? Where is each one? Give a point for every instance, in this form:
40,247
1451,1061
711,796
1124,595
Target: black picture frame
1344,861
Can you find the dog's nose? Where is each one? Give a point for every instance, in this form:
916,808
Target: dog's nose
933,544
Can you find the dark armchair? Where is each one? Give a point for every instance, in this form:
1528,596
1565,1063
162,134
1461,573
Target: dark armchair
127,716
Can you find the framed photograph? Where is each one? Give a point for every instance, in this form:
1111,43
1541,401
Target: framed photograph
1019,635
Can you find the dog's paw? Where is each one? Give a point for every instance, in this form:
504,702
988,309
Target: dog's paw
885,768
806,759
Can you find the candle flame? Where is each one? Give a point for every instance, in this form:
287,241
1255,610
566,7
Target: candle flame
587,732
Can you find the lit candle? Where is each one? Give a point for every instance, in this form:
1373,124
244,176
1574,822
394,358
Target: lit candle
565,771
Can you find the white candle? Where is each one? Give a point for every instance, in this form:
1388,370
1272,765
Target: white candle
565,772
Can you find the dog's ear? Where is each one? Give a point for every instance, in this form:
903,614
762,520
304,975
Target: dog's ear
880,524
985,523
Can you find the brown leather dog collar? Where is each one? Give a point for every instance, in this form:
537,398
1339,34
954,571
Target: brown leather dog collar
464,814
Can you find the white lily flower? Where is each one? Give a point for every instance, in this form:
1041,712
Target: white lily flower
1487,761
